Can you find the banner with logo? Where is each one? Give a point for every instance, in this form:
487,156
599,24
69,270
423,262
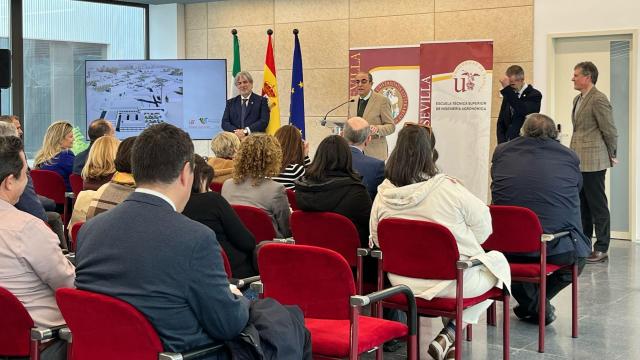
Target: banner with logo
455,98
396,75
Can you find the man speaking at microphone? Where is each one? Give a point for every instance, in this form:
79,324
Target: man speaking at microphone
376,109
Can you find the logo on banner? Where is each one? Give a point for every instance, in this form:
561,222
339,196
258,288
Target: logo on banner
469,76
397,96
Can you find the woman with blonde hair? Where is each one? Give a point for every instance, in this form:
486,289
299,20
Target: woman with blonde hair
224,146
294,156
259,159
100,165
55,153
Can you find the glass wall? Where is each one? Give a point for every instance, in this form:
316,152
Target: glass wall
59,35
5,94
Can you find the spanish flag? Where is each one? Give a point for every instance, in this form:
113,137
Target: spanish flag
270,88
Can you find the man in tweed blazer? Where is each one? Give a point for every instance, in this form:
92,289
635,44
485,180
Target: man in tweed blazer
595,141
376,109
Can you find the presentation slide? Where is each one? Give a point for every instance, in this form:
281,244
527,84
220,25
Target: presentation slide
134,94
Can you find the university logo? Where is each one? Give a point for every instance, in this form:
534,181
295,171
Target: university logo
397,95
469,76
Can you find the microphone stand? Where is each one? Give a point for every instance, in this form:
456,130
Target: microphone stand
323,122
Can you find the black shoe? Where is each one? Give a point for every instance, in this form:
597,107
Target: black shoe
548,319
392,346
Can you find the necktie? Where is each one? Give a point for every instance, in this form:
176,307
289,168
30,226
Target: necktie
243,112
362,104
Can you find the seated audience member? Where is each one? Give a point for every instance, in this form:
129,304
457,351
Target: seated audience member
14,120
211,209
294,156
167,266
32,266
330,184
259,159
358,133
100,165
413,189
121,185
55,153
537,172
97,129
224,146
29,201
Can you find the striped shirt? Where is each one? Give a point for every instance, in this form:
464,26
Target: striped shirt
291,173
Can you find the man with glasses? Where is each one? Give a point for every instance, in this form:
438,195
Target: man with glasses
519,99
376,109
247,112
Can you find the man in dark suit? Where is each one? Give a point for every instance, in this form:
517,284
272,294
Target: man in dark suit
97,129
537,172
518,101
167,266
247,112
595,140
358,134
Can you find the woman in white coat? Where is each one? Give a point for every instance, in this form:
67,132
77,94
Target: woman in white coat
413,189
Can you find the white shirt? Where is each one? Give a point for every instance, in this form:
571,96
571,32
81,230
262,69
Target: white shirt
368,95
519,92
158,194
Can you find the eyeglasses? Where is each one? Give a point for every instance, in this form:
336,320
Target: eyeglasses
425,126
363,81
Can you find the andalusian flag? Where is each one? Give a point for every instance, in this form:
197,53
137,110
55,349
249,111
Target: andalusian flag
236,61
270,88
296,111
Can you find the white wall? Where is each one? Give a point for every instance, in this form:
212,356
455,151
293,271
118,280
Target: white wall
552,17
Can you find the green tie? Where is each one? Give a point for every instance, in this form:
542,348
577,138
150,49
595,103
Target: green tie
362,104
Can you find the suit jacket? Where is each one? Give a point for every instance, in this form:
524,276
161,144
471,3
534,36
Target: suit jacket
30,203
544,176
80,160
256,116
167,266
595,138
371,170
377,112
509,123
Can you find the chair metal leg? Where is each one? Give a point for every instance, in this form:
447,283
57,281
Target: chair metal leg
542,304
492,314
412,347
34,352
459,309
353,351
506,343
469,333
574,300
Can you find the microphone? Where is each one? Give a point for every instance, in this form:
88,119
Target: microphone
323,122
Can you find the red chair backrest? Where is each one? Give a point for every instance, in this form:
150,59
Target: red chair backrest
77,184
104,327
15,326
257,221
49,184
328,230
227,264
515,230
418,249
74,235
291,196
217,187
318,280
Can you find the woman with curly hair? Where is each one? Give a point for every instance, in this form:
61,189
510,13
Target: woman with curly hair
294,156
100,165
259,159
55,153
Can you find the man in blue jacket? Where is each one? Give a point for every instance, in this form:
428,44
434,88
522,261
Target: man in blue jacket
167,266
518,100
358,135
537,172
247,112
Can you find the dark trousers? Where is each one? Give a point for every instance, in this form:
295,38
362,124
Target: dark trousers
594,209
528,294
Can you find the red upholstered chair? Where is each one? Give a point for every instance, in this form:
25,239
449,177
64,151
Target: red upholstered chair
320,282
257,222
50,184
518,230
426,250
104,327
73,241
217,187
19,336
331,231
77,184
291,196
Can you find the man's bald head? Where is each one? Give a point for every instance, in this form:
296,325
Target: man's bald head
99,128
356,131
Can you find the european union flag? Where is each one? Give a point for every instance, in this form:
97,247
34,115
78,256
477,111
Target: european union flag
296,111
